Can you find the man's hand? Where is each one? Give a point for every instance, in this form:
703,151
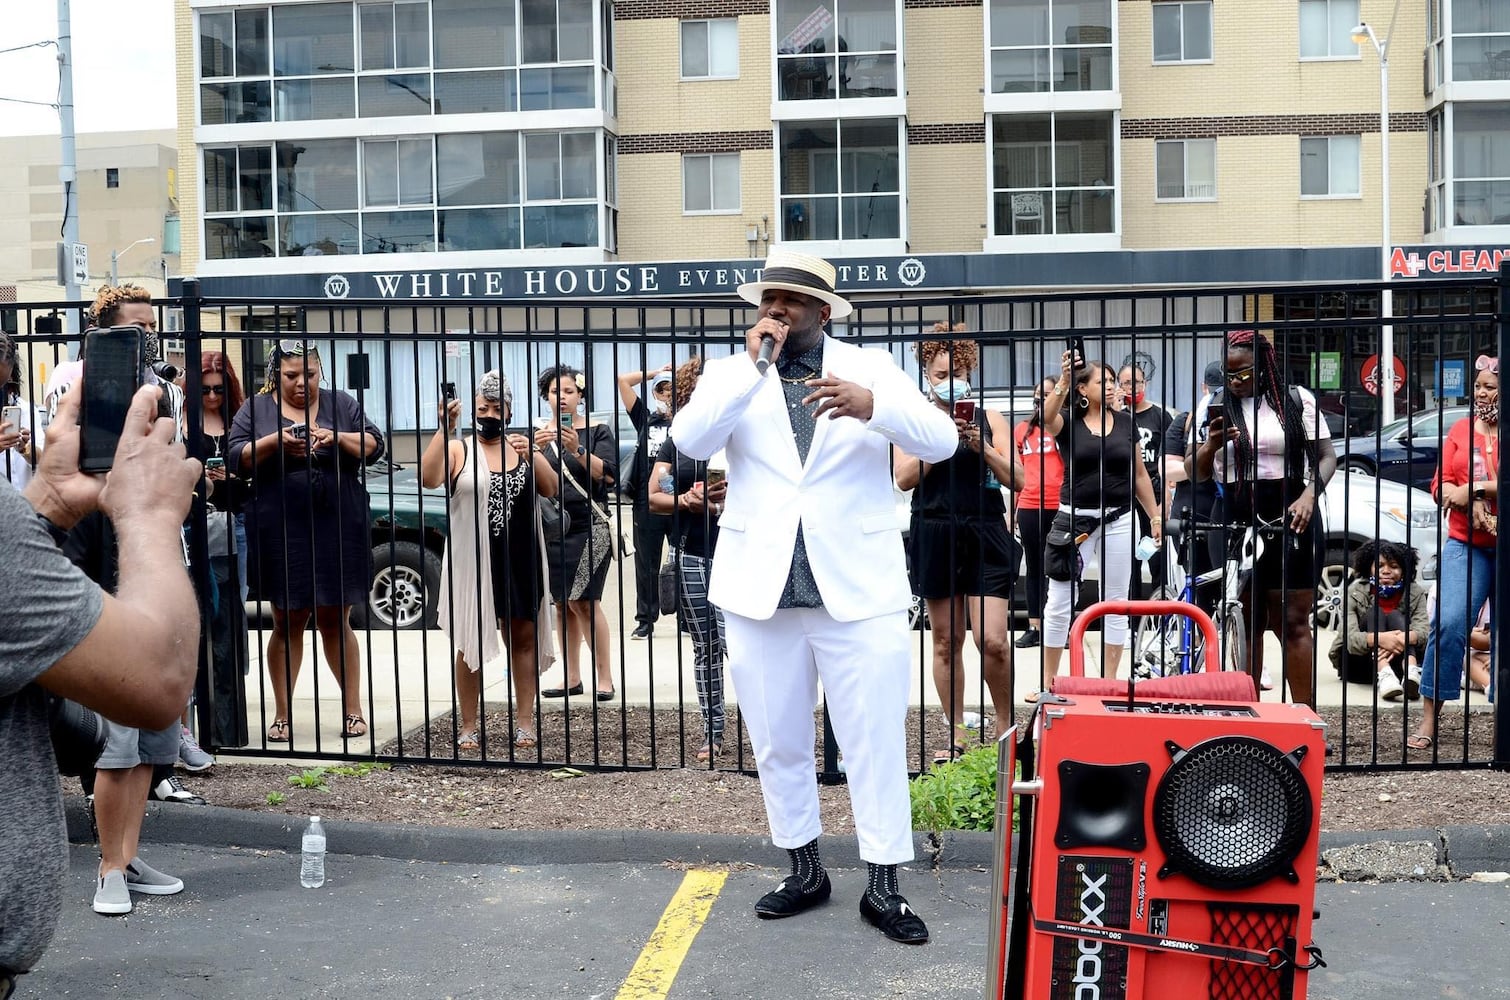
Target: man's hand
59,491
775,329
838,398
152,477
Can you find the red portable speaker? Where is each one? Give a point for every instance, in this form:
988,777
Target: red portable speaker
1174,848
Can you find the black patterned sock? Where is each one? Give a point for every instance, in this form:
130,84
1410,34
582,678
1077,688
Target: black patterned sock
806,865
883,883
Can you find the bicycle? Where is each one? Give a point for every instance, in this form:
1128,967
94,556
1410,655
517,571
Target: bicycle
1169,644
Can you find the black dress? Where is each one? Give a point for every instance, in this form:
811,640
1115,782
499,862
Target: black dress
579,560
308,521
518,584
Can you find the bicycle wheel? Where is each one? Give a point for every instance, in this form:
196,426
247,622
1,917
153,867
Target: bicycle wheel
1156,643
1234,636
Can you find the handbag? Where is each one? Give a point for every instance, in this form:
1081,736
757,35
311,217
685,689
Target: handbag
668,583
555,522
1061,545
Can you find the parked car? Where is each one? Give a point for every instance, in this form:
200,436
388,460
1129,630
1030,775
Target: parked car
1371,508
1405,450
409,527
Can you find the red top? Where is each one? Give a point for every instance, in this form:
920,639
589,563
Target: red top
1462,461
1042,465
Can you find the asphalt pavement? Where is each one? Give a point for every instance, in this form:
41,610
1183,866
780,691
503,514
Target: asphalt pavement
417,912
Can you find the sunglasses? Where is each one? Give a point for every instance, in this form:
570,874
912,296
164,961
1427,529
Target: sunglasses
212,390
1241,376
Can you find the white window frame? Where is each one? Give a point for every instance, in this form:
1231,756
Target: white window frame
1330,56
1331,195
881,246
1185,60
690,159
1053,100
822,109
1185,164
397,67
682,41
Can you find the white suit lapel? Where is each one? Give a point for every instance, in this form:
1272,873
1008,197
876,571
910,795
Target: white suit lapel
773,398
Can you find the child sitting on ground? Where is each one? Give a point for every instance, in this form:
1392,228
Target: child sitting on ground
1380,641
1478,652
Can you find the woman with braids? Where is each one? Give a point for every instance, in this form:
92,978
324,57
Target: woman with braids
964,560
681,488
1266,445
1103,474
586,457
493,577
1467,486
1037,503
303,447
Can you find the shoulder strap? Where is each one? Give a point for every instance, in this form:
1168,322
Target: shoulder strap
596,509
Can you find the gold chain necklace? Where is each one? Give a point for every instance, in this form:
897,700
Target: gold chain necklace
798,380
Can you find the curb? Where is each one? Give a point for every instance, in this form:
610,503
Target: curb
1465,849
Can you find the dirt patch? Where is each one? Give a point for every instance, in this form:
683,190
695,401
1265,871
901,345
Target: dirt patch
550,789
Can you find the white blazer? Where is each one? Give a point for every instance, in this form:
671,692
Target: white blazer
842,496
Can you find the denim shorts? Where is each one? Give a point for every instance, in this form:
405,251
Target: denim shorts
126,747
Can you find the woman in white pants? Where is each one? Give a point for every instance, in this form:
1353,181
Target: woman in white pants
1103,473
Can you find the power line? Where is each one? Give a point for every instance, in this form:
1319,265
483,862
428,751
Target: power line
30,45
41,104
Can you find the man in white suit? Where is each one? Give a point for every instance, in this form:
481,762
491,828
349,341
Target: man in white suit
810,571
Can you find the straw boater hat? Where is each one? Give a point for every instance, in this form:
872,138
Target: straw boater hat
797,272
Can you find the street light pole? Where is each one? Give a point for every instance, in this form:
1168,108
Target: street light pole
1364,32
115,259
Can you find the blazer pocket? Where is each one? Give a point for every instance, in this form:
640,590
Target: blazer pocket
882,521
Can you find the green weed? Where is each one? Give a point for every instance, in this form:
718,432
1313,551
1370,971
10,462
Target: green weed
959,795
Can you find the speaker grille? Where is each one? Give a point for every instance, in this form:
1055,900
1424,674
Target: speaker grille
1232,812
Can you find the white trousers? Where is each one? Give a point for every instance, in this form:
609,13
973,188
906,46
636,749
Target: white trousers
775,666
1109,546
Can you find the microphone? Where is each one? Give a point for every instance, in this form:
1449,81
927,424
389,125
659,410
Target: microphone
767,346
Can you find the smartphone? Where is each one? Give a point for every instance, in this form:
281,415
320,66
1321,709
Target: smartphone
716,476
214,463
448,391
566,419
300,431
112,374
1077,351
964,409
15,416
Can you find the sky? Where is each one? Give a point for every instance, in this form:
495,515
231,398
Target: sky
122,58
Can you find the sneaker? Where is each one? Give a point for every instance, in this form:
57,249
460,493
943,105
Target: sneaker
143,878
1389,686
1029,639
1413,682
170,789
1266,683
642,631
110,895
191,755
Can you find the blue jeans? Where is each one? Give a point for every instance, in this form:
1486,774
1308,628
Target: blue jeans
1465,579
240,522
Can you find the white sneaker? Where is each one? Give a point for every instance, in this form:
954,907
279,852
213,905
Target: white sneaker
1389,686
1266,683
1413,682
110,895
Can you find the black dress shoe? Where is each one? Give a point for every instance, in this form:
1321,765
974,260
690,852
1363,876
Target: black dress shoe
1029,639
789,900
897,919
561,692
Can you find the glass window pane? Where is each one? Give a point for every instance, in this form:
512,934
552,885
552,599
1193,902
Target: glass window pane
229,239
579,165
1198,31
726,196
723,47
251,43
377,35
1083,150
312,39
317,175
310,100
1342,17
1200,168
1166,32
868,25
868,76
1313,29
808,157
476,93
1019,22
1481,140
256,178
1081,22
1313,167
561,226
1019,71
575,40
542,166
697,184
217,46
411,36
1345,166
538,31
400,94
480,229
555,87
316,235
1083,211
868,155
1169,169
806,78
226,103
871,217
415,173
473,33
1022,151
220,180
694,48
380,172
1083,68
804,26
397,232
480,169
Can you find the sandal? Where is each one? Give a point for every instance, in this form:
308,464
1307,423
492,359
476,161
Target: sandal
278,731
1032,697
708,751
524,739
468,740
355,726
1419,741
955,752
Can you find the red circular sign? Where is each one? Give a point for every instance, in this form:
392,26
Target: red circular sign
1371,375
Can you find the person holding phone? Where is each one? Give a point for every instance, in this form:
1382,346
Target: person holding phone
964,559
19,449
1037,503
1264,442
303,447
652,424
586,459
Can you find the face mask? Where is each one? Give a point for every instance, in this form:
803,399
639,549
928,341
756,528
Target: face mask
1137,398
489,428
952,390
1489,413
1386,589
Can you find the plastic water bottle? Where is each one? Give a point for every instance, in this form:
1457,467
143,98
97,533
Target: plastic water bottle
312,868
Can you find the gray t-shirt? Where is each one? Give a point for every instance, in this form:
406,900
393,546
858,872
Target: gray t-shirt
50,606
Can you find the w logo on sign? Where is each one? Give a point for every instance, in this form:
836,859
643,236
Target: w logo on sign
337,286
912,272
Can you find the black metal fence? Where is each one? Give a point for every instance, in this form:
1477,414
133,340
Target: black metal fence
389,545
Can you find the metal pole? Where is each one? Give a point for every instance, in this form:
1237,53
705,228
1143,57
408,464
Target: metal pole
1386,297
115,260
68,169
1501,599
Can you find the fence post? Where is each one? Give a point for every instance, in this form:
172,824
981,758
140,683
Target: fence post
1501,604
199,537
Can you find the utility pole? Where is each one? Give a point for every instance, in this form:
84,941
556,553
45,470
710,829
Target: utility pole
68,171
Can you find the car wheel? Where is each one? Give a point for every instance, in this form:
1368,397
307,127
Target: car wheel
1331,590
1358,465
405,587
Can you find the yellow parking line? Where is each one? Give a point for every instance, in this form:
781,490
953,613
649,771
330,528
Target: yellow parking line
658,964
